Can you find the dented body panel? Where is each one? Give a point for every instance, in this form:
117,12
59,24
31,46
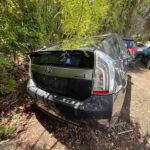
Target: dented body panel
62,82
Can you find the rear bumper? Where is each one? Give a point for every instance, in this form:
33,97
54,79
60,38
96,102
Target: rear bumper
95,109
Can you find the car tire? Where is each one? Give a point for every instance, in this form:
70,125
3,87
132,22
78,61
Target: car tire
148,64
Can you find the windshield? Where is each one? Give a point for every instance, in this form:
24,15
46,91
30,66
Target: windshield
129,43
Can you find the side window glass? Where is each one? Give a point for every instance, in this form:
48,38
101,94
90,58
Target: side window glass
107,48
116,48
113,48
124,51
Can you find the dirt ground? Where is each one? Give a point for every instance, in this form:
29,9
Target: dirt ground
38,131
139,109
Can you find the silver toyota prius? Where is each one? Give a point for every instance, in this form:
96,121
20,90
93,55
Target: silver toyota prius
80,80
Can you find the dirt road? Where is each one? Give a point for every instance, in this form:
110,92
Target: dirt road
42,132
140,99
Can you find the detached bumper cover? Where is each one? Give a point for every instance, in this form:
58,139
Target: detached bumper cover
95,107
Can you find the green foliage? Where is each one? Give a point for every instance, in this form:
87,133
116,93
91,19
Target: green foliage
2,130
7,86
82,17
8,129
119,15
144,8
4,61
26,25
7,83
19,24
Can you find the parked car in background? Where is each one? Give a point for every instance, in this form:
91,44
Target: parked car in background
135,51
141,47
131,45
146,57
81,81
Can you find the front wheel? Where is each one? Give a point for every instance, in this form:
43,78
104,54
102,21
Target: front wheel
148,64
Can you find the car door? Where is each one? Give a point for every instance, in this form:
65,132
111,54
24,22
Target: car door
113,47
124,59
121,59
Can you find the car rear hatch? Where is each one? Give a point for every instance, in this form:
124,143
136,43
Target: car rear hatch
66,73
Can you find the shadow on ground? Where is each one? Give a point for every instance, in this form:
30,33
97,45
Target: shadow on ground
76,138
137,68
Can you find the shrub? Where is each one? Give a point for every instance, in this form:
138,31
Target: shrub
2,130
7,82
8,129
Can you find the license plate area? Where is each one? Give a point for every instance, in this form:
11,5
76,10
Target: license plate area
78,89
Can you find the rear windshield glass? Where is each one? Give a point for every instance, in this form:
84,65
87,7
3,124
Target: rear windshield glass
129,43
77,59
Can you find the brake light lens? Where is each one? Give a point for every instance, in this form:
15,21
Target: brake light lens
103,77
133,50
100,92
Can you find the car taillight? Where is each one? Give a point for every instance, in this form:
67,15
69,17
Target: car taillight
103,77
133,50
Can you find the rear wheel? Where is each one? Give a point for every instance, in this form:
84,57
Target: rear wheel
148,64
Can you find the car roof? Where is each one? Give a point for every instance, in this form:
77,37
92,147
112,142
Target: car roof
128,39
85,43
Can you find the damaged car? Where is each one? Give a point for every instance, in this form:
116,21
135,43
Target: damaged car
146,58
81,81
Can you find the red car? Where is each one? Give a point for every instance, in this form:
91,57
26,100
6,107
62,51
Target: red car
131,45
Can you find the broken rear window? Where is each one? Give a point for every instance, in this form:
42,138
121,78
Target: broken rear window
77,59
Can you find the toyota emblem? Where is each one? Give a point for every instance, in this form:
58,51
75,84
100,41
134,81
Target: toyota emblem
48,70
